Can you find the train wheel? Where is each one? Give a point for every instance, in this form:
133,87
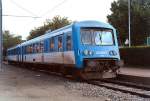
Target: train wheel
77,75
63,71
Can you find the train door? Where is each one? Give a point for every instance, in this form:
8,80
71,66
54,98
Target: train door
60,48
42,50
22,53
68,53
17,54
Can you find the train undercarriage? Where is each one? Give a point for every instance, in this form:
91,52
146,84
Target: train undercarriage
100,69
93,69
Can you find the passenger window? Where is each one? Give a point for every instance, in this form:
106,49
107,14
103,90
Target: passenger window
52,44
60,43
28,49
41,46
36,48
68,42
31,49
25,49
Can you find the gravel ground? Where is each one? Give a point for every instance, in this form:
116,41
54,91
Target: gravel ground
18,84
95,91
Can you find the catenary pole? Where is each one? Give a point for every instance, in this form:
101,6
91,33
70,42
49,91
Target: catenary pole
129,21
1,35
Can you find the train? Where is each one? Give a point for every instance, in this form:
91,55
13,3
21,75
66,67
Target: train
85,49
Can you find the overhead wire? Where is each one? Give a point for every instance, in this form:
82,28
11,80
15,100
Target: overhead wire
48,11
21,7
20,16
52,9
34,15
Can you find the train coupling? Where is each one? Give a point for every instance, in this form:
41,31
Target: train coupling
120,63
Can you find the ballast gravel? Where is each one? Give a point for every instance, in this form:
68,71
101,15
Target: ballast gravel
94,91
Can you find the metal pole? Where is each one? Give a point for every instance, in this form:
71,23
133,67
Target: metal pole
1,54
129,22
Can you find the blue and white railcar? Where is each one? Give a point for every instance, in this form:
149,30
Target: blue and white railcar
12,53
89,48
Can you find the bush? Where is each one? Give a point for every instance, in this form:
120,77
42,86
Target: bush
136,56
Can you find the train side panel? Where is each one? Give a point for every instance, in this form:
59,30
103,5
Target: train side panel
33,58
12,58
69,57
54,57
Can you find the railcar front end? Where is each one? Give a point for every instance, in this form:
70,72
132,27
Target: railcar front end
97,53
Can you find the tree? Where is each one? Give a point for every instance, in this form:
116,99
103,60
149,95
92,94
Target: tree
10,40
50,24
140,20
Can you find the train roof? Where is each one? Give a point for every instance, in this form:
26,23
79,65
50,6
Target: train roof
93,24
66,28
14,47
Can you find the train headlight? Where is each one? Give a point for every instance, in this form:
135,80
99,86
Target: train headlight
113,53
85,52
90,53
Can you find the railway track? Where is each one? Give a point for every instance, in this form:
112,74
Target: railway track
128,84
125,87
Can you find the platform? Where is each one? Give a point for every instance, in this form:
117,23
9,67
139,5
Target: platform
139,71
136,75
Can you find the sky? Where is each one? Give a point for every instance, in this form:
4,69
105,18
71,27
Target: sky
75,10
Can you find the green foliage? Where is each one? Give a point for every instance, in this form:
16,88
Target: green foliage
135,56
10,40
50,24
140,20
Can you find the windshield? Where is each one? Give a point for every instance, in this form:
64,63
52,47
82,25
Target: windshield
91,36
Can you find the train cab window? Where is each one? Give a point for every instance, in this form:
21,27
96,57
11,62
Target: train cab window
60,44
97,36
86,36
52,44
68,42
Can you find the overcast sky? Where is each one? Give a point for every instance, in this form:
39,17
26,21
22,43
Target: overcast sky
73,9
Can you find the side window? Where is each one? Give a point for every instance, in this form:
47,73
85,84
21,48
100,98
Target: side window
14,51
27,49
68,42
31,48
52,44
41,46
36,47
60,44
